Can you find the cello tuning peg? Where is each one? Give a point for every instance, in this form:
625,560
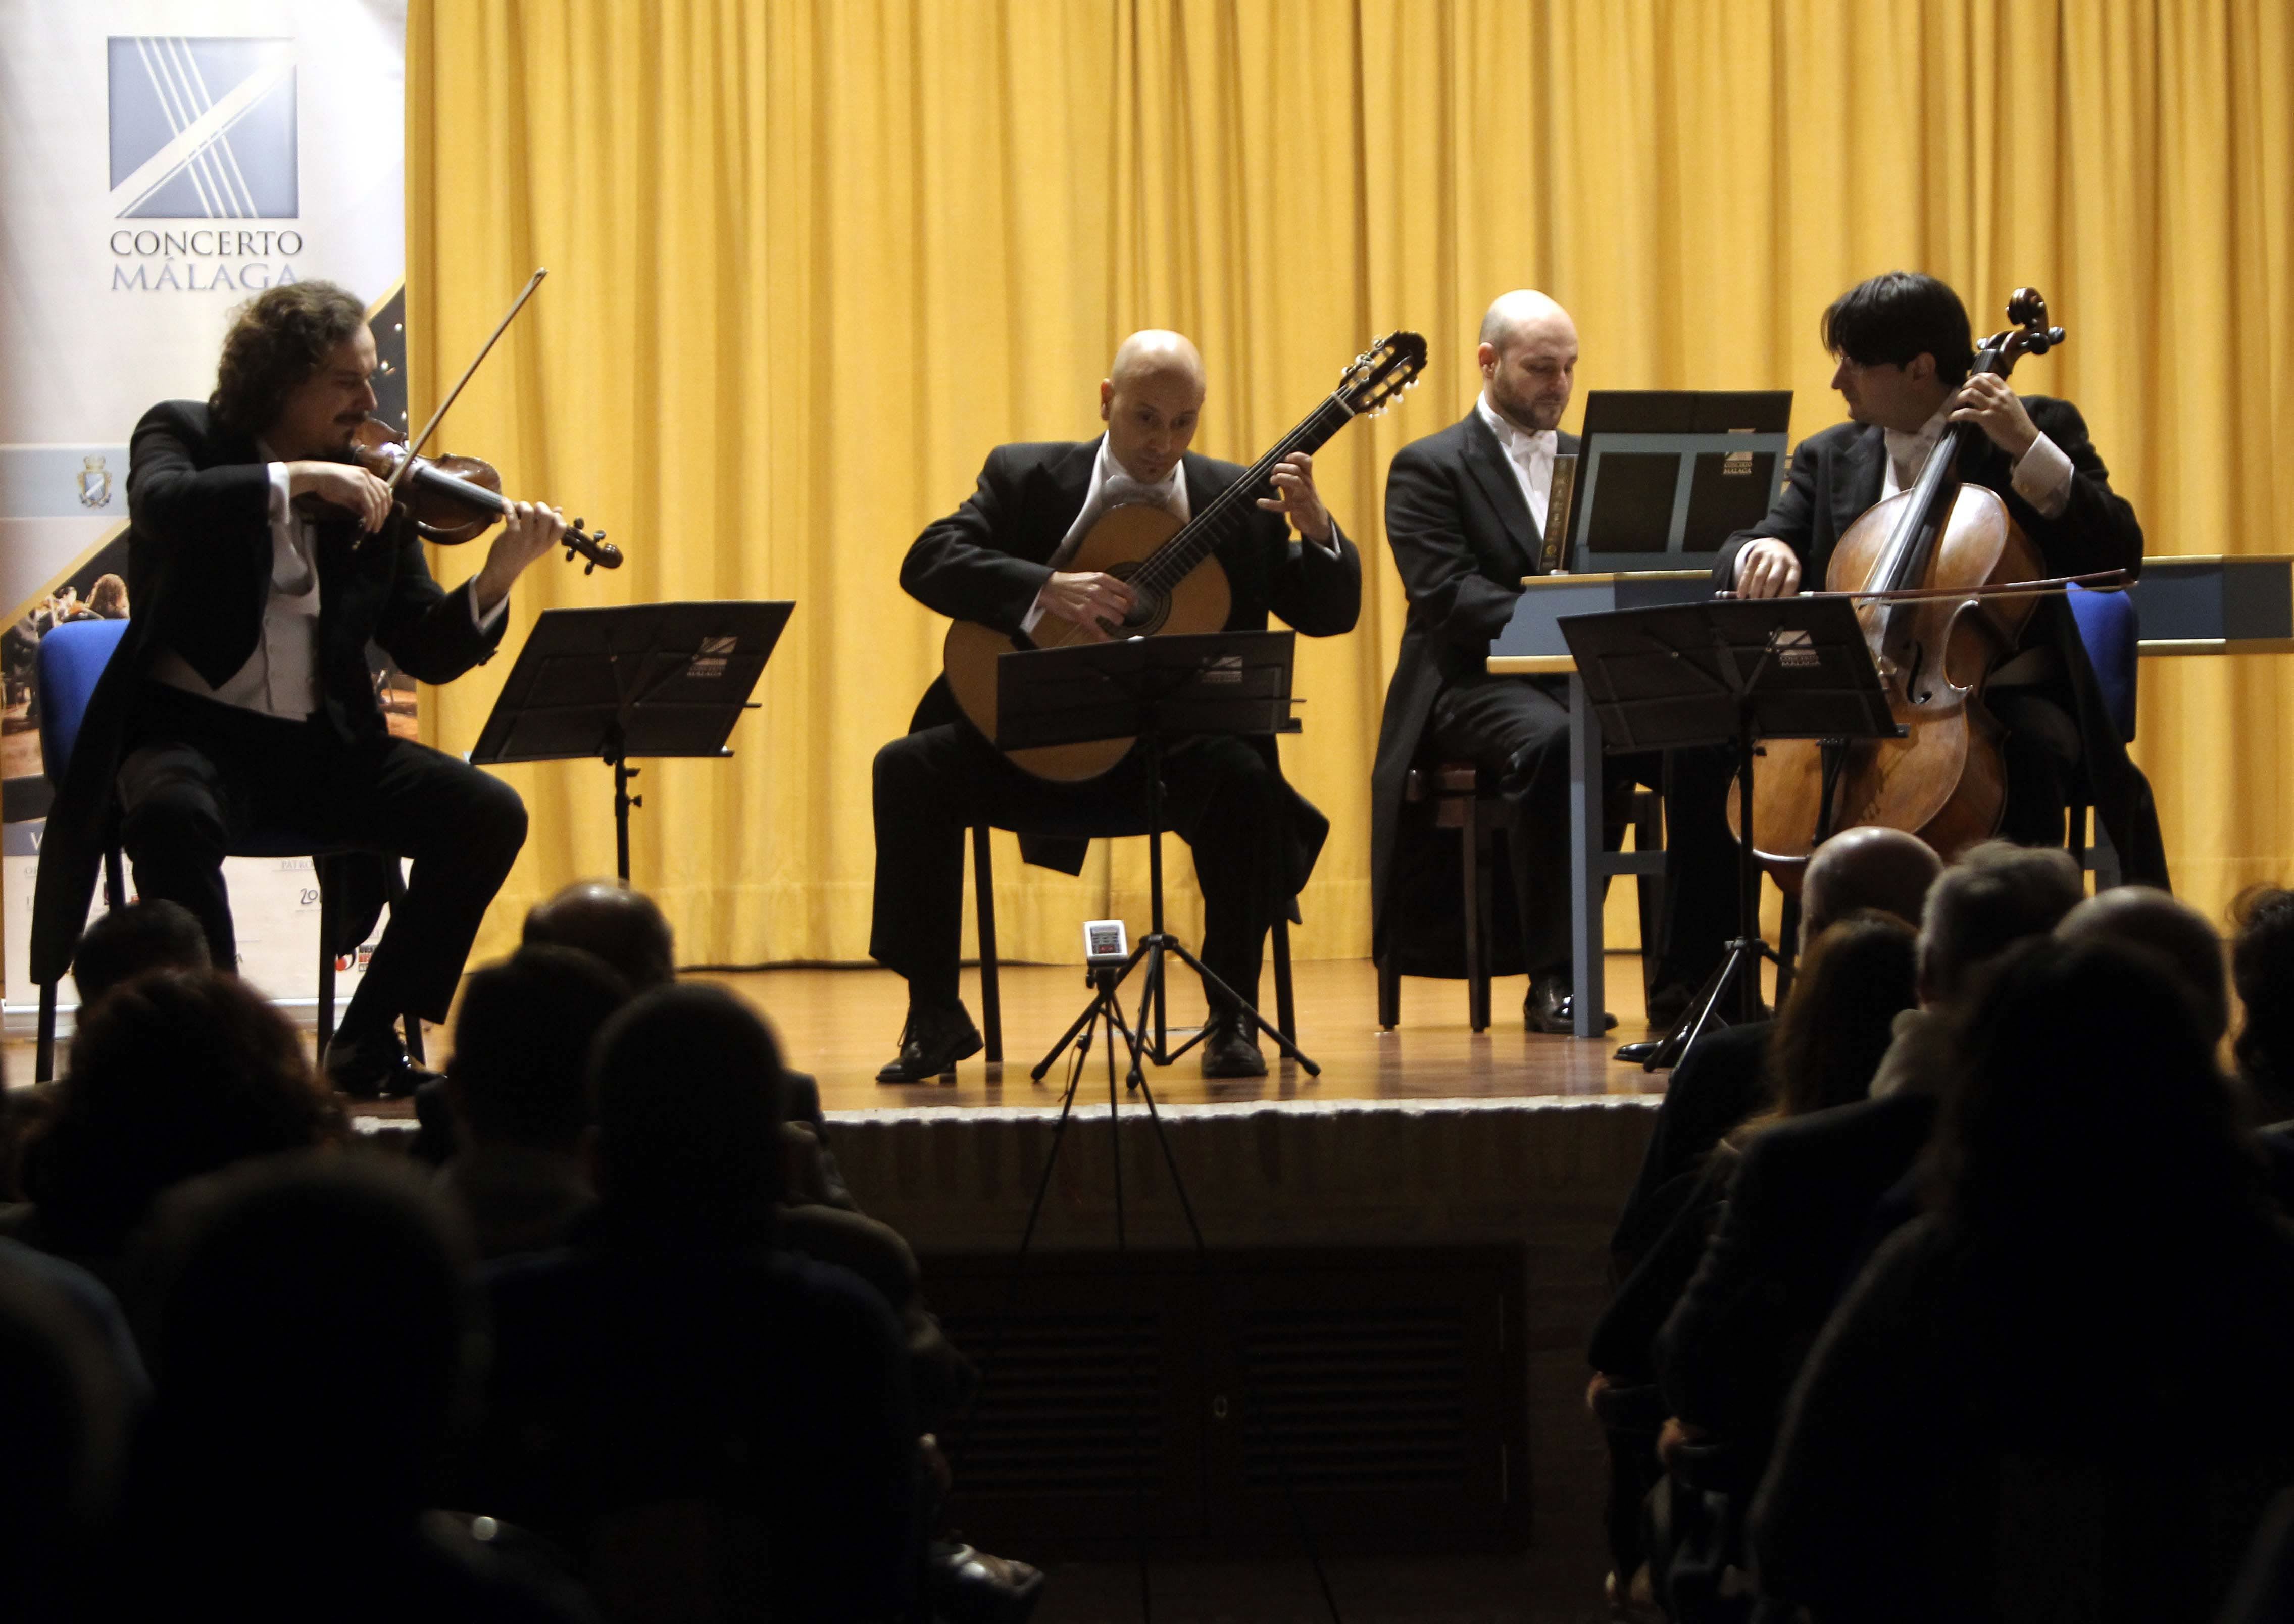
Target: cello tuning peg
588,570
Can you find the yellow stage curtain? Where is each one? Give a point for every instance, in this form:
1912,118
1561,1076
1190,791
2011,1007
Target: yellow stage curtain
809,261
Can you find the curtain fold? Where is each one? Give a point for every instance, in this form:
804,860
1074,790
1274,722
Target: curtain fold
809,261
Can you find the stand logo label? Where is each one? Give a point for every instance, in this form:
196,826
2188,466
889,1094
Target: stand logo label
203,128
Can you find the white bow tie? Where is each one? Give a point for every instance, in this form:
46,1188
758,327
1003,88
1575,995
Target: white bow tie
1122,491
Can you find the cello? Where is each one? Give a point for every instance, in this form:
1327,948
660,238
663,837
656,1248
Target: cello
1945,582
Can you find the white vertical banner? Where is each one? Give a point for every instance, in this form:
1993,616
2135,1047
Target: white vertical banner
165,160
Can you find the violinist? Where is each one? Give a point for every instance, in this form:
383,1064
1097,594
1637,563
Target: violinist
261,562
1903,344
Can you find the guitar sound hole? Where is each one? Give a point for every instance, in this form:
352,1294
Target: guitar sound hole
1147,611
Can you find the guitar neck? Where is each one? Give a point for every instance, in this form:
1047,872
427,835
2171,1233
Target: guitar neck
1202,532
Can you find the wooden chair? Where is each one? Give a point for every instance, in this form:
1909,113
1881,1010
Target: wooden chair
1465,799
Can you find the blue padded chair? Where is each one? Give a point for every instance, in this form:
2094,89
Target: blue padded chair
2108,627
71,661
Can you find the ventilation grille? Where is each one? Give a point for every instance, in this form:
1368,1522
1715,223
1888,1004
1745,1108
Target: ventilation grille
1071,1405
1356,1399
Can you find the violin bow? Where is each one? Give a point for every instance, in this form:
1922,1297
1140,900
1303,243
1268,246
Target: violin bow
415,445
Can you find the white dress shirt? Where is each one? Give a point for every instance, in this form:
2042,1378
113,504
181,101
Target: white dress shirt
280,677
1531,455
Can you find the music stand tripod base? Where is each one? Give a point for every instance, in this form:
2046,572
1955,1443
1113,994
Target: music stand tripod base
1152,690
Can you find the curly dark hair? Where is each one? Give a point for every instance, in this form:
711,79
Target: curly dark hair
175,1073
2262,969
277,340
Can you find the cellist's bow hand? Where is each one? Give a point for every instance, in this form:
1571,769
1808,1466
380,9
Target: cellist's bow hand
1767,568
1985,401
529,531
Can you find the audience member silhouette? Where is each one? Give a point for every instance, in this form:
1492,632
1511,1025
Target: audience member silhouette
312,1335
1827,1042
519,1086
2143,917
2262,969
2062,1393
1724,1077
701,1419
126,942
173,1074
627,931
68,1398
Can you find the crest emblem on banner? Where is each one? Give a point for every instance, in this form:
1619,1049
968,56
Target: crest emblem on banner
203,128
95,484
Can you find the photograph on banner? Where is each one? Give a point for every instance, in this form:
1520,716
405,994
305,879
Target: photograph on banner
168,160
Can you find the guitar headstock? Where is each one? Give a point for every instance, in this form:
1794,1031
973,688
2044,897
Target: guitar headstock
1380,373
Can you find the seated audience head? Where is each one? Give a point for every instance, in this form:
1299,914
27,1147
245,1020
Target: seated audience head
176,1073
1857,976
520,1074
126,942
612,923
689,1111
2262,968
65,1411
1867,866
2142,916
1996,895
2091,1102
272,1285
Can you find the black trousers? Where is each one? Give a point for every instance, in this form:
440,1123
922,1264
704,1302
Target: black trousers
1220,795
1516,730
200,777
2044,760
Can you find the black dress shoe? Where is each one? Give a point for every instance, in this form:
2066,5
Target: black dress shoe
1550,1006
967,1586
1231,1049
370,1071
930,1044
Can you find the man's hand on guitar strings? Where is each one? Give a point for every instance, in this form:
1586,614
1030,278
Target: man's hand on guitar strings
1296,499
1093,602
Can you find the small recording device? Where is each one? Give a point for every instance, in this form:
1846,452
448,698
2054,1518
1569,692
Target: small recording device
1106,945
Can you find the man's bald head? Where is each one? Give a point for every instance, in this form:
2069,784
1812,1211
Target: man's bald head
1528,358
1867,866
2173,932
615,923
1523,313
1151,401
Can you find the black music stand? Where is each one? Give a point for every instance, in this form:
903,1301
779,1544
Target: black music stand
1738,669
643,679
1152,689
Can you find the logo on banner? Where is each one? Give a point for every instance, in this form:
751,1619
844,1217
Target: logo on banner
203,128
94,483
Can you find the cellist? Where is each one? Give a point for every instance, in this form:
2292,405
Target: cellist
1902,344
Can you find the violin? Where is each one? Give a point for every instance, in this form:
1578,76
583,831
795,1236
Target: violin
450,498
1944,584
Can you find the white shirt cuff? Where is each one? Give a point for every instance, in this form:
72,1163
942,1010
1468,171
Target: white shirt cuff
485,623
282,491
1027,622
2043,478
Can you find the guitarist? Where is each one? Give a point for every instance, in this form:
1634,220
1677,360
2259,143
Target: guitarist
996,561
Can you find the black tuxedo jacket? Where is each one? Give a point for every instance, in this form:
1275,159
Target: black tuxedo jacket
1839,474
199,574
987,561
1462,541
1795,1219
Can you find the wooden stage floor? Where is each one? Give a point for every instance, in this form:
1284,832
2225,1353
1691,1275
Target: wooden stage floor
841,1024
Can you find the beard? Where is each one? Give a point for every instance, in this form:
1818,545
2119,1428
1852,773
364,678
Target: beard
1537,413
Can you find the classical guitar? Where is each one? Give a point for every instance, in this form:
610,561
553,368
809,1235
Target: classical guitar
1173,570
